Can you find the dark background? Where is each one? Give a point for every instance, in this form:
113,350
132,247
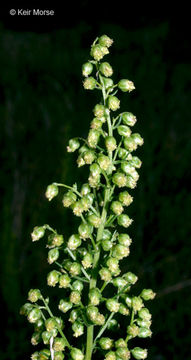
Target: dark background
43,104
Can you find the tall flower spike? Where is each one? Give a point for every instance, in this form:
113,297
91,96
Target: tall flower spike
89,260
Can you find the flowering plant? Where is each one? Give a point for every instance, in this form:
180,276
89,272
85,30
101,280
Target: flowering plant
88,263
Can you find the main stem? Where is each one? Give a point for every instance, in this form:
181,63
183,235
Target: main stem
93,281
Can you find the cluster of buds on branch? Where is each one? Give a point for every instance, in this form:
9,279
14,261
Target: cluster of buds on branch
87,265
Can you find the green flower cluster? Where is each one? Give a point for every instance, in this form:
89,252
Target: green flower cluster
89,260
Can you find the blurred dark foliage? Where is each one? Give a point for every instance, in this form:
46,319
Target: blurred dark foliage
42,105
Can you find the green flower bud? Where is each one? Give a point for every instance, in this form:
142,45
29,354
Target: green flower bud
104,162
50,324
144,314
58,355
119,179
113,325
107,235
89,83
74,144
34,315
124,220
87,69
106,69
147,294
75,269
125,198
78,328
36,338
76,354
53,278
53,255
122,153
85,189
138,139
38,233
86,202
106,343
64,281
104,50
51,191
110,356
110,143
105,274
73,316
64,305
95,169
55,240
131,182
120,251
100,320
94,296
94,220
124,239
94,181
69,198
89,157
120,343
39,325
113,265
133,330
117,207
106,245
97,52
130,144
108,83
144,323
123,353
99,111
34,295
139,353
59,344
126,85
44,354
123,310
35,356
128,301
84,230
129,119
93,138
87,261
137,303
104,40
144,332
92,312
74,242
96,124
119,282
113,103
46,335
25,309
112,305
77,208
130,277
75,297
136,162
78,285
124,130
80,161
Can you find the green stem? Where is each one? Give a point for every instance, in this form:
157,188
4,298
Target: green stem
103,328
59,329
93,281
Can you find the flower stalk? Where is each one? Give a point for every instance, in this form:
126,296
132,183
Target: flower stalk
88,263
